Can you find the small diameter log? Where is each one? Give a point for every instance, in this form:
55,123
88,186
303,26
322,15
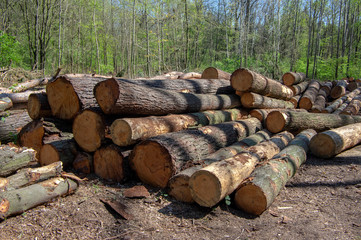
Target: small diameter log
5,103
296,121
339,90
178,184
261,114
127,131
108,163
259,190
245,80
309,96
299,88
337,140
31,136
353,107
326,86
19,200
83,163
341,108
38,106
190,75
292,78
14,158
157,159
212,183
214,73
320,101
254,100
21,97
295,100
61,149
338,102
29,176
119,97
29,84
11,123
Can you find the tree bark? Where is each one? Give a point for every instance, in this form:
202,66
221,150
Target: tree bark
309,96
296,121
212,183
119,97
190,75
14,158
352,86
295,100
83,163
338,102
320,101
261,114
259,190
5,103
157,159
61,149
299,88
11,123
326,86
342,107
245,80
292,78
339,90
127,131
214,73
353,107
20,97
254,100
29,84
38,106
19,200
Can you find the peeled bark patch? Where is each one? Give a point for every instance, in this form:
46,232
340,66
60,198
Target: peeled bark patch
14,158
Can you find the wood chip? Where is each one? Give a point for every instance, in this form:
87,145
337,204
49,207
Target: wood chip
286,220
136,192
273,213
118,207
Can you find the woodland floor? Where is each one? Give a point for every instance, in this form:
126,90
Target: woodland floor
322,201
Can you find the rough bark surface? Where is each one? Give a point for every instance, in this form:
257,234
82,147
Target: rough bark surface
214,73
320,101
190,75
254,100
309,96
11,123
14,158
338,102
261,114
295,100
299,88
353,107
292,78
326,86
38,106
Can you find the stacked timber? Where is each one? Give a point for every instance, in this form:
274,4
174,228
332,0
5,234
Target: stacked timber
214,73
293,78
309,96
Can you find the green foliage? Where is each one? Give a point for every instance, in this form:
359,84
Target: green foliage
227,200
9,50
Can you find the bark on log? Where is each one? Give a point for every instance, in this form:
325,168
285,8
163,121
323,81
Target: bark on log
296,121
11,123
19,200
295,100
157,159
178,184
31,136
62,149
292,78
190,75
261,114
119,97
254,100
337,140
339,90
309,96
320,101
299,88
5,103
14,158
214,73
341,108
353,107
38,106
21,97
260,189
21,87
326,86
245,80
352,86
212,183
28,176
338,102
83,163
127,131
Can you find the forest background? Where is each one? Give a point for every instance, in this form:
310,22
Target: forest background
134,38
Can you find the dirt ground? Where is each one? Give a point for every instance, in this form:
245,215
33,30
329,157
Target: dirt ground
322,201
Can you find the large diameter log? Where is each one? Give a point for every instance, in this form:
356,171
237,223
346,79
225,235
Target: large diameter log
31,136
212,183
254,100
29,176
14,158
338,102
19,200
119,97
261,114
299,88
260,189
296,121
11,123
157,159
353,107
214,73
245,80
291,78
178,184
339,90
62,149
327,87
309,96
38,106
336,140
5,103
127,131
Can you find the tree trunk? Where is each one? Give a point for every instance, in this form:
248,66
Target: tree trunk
21,87
190,75
292,78
260,189
326,86
157,159
296,121
337,140
11,124
245,80
295,100
254,100
14,158
127,131
353,107
261,114
214,73
19,200
31,136
83,163
338,102
309,96
339,90
20,97
342,107
5,103
61,149
320,101
352,86
38,106
212,183
299,88
119,97
178,184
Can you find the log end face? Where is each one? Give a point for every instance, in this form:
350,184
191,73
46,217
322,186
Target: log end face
323,146
247,100
288,79
241,80
48,154
108,163
210,73
305,103
179,189
33,107
251,199
31,136
275,122
107,94
121,133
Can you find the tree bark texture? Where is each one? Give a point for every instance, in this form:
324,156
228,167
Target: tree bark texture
299,88
21,97
190,75
339,90
327,87
320,101
352,86
338,102
38,106
254,100
261,114
14,158
295,100
214,73
292,78
309,96
11,123
353,107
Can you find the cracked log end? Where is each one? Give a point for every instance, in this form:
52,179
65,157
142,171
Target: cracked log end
204,187
241,80
121,133
251,199
106,94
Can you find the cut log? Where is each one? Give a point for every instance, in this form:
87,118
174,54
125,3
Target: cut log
295,100
260,189
214,73
309,96
212,183
108,163
254,100
261,114
245,80
62,149
341,108
352,86
320,101
157,159
19,200
326,86
14,158
190,75
21,87
83,163
11,123
292,78
339,90
127,131
31,136
21,97
296,121
178,184
119,97
353,107
38,106
5,103
28,176
299,88
338,102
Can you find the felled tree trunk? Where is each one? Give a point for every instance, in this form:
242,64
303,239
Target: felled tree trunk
38,106
299,88
338,102
254,100
295,100
260,189
119,97
353,107
83,163
309,96
127,131
31,136
5,103
19,200
214,73
21,97
352,86
13,158
157,159
320,101
261,114
341,108
190,75
212,183
245,80
292,78
339,90
62,149
11,123
326,86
